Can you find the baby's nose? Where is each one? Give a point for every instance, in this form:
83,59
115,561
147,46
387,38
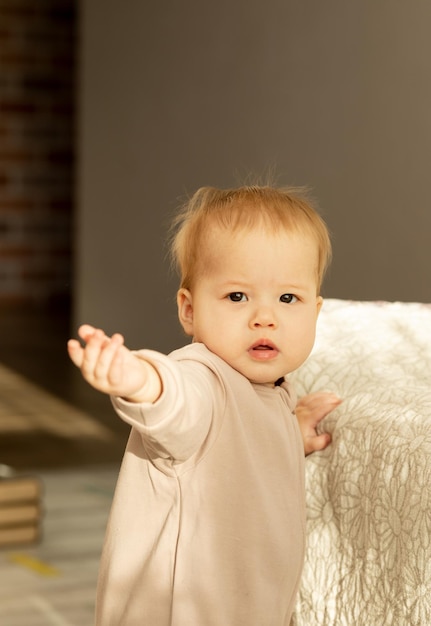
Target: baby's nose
263,317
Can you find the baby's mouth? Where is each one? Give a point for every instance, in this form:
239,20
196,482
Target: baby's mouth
263,344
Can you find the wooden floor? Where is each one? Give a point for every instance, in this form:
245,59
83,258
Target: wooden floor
53,426
45,401
54,582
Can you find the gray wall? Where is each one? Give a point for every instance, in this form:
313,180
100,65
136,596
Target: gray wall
334,95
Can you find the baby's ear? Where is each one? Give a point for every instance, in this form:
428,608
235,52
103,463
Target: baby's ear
185,310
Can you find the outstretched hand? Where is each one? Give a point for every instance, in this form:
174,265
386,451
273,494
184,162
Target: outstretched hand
310,410
110,367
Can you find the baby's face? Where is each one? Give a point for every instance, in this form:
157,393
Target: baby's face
255,305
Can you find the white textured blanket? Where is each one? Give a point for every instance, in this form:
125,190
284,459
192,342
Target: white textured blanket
368,560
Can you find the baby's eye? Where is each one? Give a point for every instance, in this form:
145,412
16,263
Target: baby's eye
288,298
237,296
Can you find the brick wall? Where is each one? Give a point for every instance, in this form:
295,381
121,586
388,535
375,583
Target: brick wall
37,76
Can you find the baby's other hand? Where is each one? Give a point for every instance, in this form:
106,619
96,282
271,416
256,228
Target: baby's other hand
310,410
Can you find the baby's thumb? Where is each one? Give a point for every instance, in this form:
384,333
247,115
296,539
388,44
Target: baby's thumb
320,442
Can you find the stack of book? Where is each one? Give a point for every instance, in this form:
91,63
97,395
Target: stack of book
20,508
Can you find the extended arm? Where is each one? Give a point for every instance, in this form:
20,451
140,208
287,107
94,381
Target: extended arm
310,411
110,367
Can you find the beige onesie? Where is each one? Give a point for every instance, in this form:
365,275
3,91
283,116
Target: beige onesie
207,522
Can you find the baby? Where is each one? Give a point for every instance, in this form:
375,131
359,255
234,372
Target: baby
207,526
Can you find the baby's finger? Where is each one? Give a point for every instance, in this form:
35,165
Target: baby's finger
92,351
109,355
324,396
86,331
320,400
75,351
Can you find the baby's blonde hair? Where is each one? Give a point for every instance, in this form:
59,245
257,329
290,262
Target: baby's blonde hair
244,208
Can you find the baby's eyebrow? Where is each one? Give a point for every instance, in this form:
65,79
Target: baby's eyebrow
235,285
289,286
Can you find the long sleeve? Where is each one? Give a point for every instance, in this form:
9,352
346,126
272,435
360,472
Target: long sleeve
175,426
